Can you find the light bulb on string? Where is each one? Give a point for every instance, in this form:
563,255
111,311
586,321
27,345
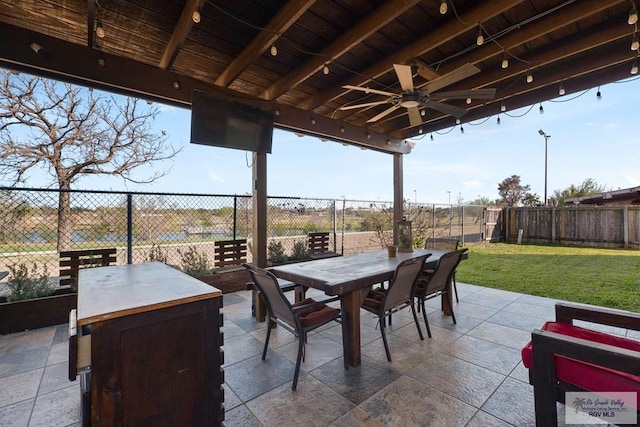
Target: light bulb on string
100,30
529,77
505,61
480,38
541,109
325,69
468,101
634,67
633,15
274,50
561,90
443,7
634,43
195,16
599,94
498,121
503,107
431,136
461,129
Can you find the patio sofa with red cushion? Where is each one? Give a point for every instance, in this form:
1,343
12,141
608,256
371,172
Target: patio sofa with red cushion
564,357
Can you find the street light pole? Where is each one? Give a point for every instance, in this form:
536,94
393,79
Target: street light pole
546,138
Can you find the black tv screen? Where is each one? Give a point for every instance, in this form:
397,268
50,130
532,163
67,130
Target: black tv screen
230,124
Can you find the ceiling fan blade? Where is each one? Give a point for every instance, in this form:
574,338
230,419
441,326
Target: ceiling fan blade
414,116
447,109
405,77
366,104
467,70
489,93
368,90
384,113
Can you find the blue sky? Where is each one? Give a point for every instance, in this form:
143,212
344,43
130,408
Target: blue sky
589,139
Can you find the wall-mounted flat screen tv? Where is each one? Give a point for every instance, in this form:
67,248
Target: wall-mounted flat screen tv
230,124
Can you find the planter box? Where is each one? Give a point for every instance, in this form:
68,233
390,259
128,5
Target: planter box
228,279
37,313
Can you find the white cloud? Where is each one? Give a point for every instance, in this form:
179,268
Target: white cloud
214,177
473,184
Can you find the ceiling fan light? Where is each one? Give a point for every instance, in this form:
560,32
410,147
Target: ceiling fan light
443,7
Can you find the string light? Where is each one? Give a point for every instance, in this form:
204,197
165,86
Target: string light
561,90
634,67
457,121
498,121
541,109
599,95
423,113
468,100
325,69
443,7
100,30
505,61
431,137
420,130
274,50
461,129
480,38
633,15
503,107
634,43
195,16
529,77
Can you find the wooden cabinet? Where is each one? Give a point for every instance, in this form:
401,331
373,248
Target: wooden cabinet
155,346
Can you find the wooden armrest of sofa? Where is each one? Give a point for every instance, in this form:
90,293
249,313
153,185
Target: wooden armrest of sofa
567,313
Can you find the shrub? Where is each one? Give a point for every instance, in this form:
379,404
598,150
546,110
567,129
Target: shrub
157,254
195,263
25,285
300,251
275,252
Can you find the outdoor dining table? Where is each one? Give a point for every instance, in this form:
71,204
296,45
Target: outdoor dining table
351,277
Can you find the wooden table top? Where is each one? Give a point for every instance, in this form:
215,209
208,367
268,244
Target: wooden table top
120,290
337,276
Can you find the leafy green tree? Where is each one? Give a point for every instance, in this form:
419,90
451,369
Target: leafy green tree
588,187
531,200
511,191
71,133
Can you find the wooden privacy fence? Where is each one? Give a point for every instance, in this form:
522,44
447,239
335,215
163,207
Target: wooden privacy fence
596,226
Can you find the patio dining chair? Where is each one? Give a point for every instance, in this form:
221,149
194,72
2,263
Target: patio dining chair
443,244
298,318
399,295
438,283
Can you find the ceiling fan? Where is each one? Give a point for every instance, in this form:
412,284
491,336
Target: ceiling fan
413,99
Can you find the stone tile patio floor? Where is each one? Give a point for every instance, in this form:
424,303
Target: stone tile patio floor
467,374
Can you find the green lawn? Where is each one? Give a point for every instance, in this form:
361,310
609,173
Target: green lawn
605,277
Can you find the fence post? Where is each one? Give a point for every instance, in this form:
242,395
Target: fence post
129,228
344,204
335,225
625,226
433,220
462,224
553,225
235,215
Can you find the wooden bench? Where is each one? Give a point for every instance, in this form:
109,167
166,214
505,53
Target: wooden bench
230,253
72,261
319,246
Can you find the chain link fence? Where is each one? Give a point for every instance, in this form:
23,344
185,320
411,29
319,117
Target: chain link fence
165,226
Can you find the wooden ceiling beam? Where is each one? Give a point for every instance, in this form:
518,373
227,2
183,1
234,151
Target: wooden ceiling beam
442,34
285,17
363,29
180,33
127,77
91,21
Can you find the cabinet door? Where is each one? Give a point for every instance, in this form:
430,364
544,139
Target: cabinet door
158,368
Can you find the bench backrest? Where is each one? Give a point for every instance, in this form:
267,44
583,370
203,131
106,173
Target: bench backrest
72,261
319,242
442,243
230,252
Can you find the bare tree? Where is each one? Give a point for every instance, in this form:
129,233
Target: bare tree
512,191
72,132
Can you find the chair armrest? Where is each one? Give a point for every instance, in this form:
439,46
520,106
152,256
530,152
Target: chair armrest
313,304
567,313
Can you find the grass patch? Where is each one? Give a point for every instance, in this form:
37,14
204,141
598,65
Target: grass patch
605,277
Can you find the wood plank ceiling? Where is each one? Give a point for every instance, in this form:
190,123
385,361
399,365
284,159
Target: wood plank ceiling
157,50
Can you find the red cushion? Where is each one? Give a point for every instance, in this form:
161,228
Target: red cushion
586,375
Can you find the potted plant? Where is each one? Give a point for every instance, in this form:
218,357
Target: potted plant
227,279
33,301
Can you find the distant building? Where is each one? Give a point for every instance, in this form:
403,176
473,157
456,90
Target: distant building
627,196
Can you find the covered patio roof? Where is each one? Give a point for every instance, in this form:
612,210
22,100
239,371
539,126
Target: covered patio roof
161,51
